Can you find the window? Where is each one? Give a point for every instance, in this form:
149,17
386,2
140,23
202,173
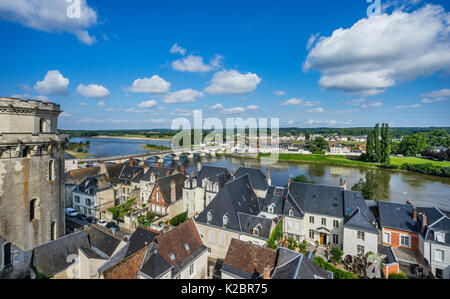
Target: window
157,197
311,234
209,216
42,125
51,170
7,255
405,241
243,198
438,273
335,239
387,238
360,249
172,256
324,221
211,235
256,231
77,199
53,231
88,201
271,208
222,239
439,237
291,212
192,269
438,255
335,223
33,206
186,246
361,236
311,219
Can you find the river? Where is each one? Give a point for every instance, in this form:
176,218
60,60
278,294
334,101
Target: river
425,190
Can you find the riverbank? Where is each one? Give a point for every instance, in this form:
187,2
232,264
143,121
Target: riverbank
402,164
154,147
133,137
78,155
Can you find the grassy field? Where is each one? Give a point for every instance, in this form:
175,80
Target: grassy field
325,159
154,147
398,161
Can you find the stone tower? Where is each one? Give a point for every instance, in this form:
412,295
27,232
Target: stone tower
31,173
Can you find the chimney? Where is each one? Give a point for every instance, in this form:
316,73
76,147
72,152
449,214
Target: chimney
192,174
199,166
267,271
103,168
182,171
424,222
269,181
415,214
285,243
146,167
289,182
173,191
131,161
343,184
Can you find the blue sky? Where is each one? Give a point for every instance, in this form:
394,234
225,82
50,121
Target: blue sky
140,64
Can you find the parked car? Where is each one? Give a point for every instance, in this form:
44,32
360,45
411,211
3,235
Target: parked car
113,226
71,212
82,217
102,223
92,220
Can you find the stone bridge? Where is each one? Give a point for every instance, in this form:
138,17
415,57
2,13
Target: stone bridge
158,155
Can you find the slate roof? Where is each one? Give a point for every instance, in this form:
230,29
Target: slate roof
113,172
164,186
397,216
291,205
103,241
140,238
214,174
92,253
159,172
154,265
257,178
229,201
275,196
51,258
249,222
388,254
92,184
318,199
360,221
129,172
442,226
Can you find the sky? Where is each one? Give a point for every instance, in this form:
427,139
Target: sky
142,64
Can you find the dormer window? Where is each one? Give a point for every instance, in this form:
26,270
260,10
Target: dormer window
225,220
271,208
209,217
243,198
291,212
186,246
172,256
439,237
256,231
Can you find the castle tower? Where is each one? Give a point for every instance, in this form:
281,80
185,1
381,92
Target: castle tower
31,173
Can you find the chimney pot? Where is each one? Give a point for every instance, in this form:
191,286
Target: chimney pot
182,171
415,214
289,182
424,222
131,161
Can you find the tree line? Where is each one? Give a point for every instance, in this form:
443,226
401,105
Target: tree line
378,147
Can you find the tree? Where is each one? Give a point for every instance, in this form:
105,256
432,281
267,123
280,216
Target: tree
307,136
302,179
375,186
336,255
413,145
385,145
370,147
321,144
377,143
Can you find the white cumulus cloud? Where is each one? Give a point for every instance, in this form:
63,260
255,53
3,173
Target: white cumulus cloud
279,92
54,83
52,16
232,82
182,96
93,91
436,96
252,107
148,104
378,52
234,110
177,49
316,110
153,85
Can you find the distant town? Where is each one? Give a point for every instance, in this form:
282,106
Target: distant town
137,217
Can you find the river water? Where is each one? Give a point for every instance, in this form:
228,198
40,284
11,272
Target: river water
424,190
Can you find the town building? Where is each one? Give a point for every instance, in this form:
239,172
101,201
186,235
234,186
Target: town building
200,190
31,181
167,196
245,260
259,182
93,196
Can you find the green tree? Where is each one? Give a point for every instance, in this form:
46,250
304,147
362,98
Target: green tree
336,255
370,147
321,144
413,145
377,143
375,186
385,145
302,179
